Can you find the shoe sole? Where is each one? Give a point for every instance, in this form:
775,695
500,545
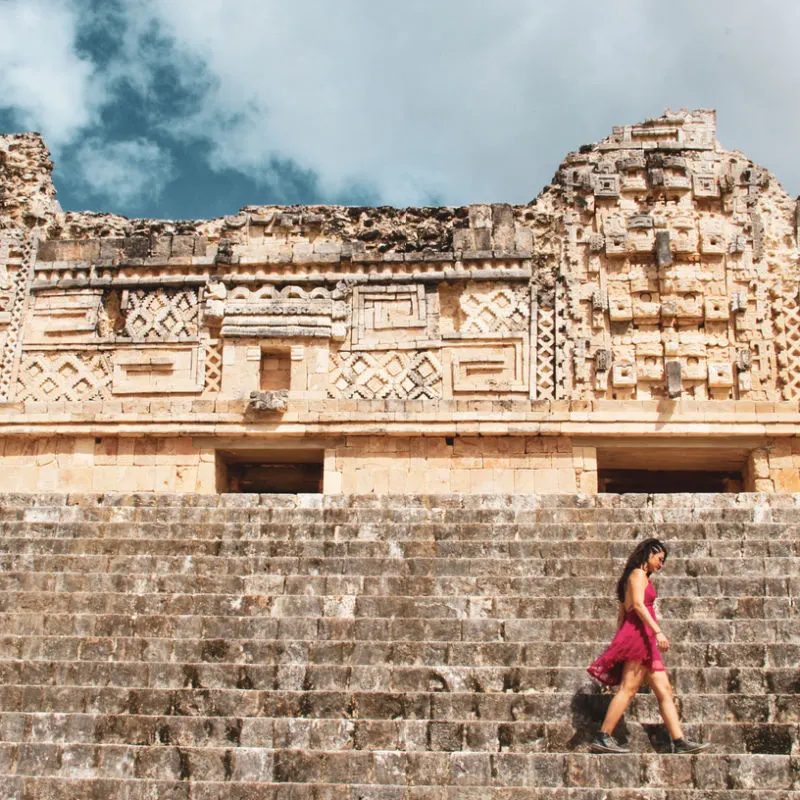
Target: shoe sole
597,748
692,751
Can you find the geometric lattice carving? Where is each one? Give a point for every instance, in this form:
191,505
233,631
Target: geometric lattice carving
160,314
789,343
403,375
545,353
16,308
64,376
213,358
495,309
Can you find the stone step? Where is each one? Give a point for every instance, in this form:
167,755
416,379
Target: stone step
89,500
494,570
424,650
590,560
327,596
364,609
412,524
46,788
436,705
332,677
396,735
139,789
546,534
399,769
196,616
748,597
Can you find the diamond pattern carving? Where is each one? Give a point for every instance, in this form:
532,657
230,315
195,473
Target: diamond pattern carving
495,309
213,357
403,375
789,347
162,314
66,376
545,353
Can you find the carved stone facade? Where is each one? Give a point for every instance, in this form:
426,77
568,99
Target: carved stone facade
650,296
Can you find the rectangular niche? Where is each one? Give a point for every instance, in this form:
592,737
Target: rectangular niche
275,371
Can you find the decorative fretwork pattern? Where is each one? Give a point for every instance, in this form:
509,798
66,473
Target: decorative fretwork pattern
495,309
66,376
273,293
16,307
161,314
545,353
403,375
789,346
213,360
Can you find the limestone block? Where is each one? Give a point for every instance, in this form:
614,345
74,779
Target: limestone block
620,308
705,184
720,375
684,236
623,373
716,308
173,370
606,185
645,307
712,236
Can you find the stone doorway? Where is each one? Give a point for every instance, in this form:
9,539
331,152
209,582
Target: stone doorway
270,471
664,470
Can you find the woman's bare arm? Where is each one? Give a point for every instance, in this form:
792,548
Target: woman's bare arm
620,614
637,583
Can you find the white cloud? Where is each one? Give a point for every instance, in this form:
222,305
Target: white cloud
42,78
467,99
125,172
462,100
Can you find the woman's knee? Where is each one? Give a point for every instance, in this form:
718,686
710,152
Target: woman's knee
661,686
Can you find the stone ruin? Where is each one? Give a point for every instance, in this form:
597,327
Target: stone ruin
324,503
642,312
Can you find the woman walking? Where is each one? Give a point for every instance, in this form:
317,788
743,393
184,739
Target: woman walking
634,654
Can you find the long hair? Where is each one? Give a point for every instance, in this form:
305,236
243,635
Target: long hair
639,557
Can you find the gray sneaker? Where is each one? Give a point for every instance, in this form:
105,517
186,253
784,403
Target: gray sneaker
685,746
606,743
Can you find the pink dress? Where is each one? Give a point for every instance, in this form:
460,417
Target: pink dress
634,641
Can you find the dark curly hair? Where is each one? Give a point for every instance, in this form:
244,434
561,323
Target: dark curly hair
639,557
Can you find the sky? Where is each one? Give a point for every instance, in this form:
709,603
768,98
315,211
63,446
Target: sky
194,108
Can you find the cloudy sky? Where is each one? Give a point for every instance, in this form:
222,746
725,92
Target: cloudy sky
194,108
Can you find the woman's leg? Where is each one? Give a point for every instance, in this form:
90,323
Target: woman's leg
662,688
633,674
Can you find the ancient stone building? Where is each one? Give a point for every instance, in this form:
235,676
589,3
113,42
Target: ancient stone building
641,311
495,403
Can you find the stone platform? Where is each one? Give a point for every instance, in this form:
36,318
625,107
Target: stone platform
386,648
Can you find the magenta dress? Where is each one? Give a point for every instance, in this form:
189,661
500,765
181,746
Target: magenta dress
634,641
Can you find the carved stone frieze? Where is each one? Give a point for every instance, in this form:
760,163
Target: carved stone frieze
277,400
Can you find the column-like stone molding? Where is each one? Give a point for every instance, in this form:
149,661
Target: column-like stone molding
12,348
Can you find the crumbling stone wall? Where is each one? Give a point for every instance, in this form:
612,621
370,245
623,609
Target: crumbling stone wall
656,274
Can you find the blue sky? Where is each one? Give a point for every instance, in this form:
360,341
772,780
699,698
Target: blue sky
194,108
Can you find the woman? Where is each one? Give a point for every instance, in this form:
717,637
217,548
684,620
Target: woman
634,654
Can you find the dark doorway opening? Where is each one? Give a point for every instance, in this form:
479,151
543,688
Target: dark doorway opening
660,469
626,481
270,471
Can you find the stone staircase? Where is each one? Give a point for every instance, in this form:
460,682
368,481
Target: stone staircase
386,648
